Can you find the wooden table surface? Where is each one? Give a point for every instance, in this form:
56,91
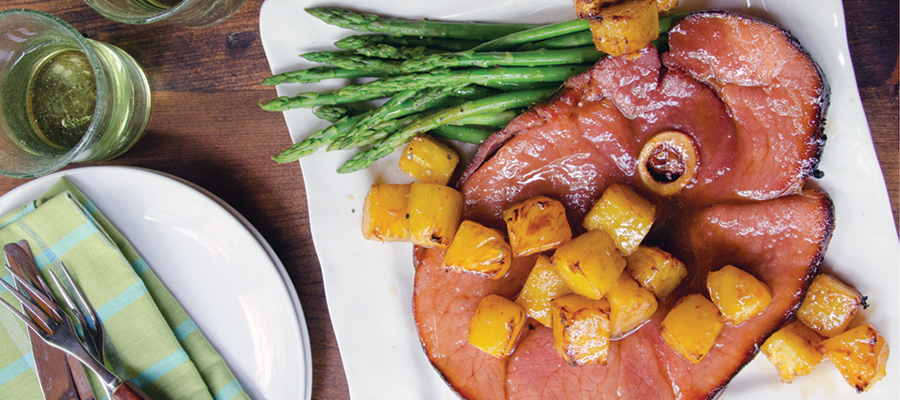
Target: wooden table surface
206,128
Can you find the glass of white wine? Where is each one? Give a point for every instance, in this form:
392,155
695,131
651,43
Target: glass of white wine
190,13
64,98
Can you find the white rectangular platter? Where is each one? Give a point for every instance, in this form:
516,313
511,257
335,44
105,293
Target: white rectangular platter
369,285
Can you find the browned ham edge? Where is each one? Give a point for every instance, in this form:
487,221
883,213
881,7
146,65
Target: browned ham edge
754,104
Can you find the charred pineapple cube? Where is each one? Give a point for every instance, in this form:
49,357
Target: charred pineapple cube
692,326
535,225
542,286
385,215
581,329
829,305
620,27
860,354
428,160
792,349
496,325
656,270
435,212
631,306
479,250
738,295
589,264
624,215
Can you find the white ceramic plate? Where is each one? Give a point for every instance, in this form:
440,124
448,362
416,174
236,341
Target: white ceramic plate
369,285
216,264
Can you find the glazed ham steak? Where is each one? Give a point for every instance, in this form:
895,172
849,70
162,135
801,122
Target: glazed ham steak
752,103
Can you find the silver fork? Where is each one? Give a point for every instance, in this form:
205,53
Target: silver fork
55,327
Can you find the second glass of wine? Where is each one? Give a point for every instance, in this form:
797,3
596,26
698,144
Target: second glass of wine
190,13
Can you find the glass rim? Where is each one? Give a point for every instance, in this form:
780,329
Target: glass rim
101,88
163,14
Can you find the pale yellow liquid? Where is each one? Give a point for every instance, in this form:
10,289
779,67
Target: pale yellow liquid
48,99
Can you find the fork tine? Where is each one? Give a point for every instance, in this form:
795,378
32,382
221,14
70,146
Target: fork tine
28,321
70,303
67,298
39,325
88,309
87,315
38,298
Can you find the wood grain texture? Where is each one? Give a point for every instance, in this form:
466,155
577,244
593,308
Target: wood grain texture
872,32
205,127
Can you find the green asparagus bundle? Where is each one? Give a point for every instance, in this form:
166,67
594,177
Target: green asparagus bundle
456,80
389,86
492,104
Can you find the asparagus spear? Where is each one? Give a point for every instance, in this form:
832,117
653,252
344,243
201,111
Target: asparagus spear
317,74
338,129
466,134
397,26
402,104
497,120
534,34
560,35
334,113
425,100
492,104
511,59
389,85
351,60
316,140
395,52
576,39
385,129
359,41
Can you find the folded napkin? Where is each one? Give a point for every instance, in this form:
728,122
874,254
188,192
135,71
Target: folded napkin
150,339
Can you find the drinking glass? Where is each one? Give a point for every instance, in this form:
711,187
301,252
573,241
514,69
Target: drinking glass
190,13
64,98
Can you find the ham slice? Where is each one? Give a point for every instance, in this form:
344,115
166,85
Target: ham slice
753,103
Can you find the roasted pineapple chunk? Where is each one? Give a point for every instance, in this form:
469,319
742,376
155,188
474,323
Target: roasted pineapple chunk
631,306
434,214
589,264
536,225
496,325
665,5
479,250
385,215
692,326
581,329
656,270
738,295
860,354
620,26
829,305
792,349
542,286
624,215
428,160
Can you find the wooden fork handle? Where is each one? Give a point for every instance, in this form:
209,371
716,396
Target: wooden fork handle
127,391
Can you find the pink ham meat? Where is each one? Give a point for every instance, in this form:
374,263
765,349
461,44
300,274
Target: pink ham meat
754,104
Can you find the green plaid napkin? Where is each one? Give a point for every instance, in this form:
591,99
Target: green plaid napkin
150,339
